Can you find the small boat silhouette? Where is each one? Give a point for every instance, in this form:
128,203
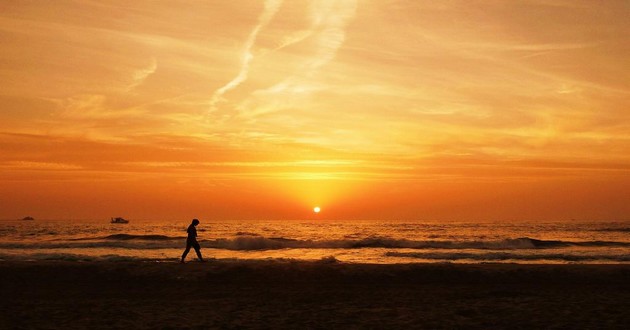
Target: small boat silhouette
28,218
119,220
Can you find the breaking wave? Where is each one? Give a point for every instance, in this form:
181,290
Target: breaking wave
71,257
262,243
245,233
126,237
246,242
615,229
503,256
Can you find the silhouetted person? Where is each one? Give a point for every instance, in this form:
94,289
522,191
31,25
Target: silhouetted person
191,241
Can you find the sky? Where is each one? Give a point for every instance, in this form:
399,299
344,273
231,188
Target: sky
454,110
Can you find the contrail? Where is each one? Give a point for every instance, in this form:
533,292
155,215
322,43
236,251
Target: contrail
293,39
139,76
329,19
327,33
271,7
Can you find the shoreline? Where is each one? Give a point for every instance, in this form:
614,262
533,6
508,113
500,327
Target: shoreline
289,294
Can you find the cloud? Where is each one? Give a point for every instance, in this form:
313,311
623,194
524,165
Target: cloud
43,166
327,31
293,38
140,75
271,7
329,20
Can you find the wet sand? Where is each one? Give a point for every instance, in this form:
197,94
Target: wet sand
289,294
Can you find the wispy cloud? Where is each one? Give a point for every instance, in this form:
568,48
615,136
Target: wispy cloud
328,22
271,7
35,166
293,38
140,75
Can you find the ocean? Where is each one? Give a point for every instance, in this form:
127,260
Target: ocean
384,242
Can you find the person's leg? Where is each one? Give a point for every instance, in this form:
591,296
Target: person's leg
198,250
188,245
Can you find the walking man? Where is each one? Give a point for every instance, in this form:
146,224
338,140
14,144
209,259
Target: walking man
191,241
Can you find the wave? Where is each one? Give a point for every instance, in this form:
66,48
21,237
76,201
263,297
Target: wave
262,243
419,256
245,233
251,243
615,229
72,257
123,244
126,237
503,256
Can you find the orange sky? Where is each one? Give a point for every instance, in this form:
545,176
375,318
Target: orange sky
372,109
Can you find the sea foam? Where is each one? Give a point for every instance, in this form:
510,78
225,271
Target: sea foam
248,242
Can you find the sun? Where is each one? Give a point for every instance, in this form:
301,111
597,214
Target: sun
316,209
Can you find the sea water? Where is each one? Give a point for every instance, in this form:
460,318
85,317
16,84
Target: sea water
346,241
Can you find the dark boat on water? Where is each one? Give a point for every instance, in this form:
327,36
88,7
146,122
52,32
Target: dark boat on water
28,218
119,220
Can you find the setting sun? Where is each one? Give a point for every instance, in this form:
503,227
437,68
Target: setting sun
453,144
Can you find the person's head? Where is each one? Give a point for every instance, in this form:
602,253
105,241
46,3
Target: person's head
195,222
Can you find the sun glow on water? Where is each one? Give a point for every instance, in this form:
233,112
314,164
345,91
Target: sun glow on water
317,209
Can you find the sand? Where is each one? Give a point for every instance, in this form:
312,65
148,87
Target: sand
289,294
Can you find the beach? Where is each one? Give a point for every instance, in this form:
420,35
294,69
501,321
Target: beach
231,293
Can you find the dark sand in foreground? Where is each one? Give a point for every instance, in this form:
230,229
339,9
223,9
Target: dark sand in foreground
287,294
